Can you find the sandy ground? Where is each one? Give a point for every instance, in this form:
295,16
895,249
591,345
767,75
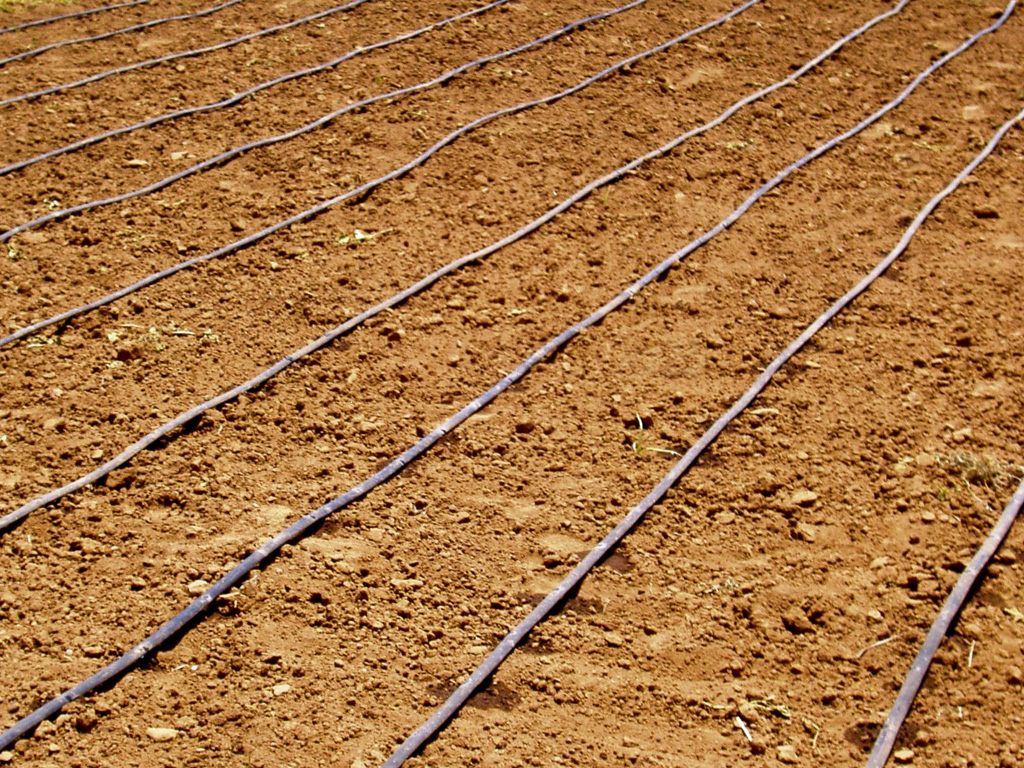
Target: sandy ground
836,513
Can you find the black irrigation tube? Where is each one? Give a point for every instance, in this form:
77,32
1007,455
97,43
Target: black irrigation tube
13,518
75,15
480,675
123,30
236,98
319,122
303,525
361,190
174,56
950,609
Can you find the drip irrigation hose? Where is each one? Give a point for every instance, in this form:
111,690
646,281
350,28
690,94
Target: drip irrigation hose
302,526
238,97
950,609
173,56
508,644
75,15
133,450
15,517
359,191
123,30
319,122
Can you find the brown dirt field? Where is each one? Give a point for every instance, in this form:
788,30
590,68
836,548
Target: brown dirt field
740,595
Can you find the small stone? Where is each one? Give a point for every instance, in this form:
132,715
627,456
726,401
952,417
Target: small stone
903,755
973,112
962,435
985,212
137,163
6,756
796,621
970,630
89,546
787,754
927,517
758,743
56,424
237,225
749,712
161,734
804,498
525,427
714,341
281,689
614,639
197,587
1006,556
805,532
1016,676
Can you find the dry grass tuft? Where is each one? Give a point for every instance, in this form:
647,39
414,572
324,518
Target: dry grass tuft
984,470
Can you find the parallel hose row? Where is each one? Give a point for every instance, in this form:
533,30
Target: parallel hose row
123,30
75,15
304,524
172,57
886,738
318,123
950,609
369,186
15,517
242,95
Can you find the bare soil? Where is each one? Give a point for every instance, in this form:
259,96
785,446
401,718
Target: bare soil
836,513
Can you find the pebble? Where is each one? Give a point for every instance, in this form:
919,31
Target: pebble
281,689
796,621
973,112
614,639
787,754
805,532
6,756
804,498
197,587
1016,676
1006,556
137,163
161,734
985,212
928,517
903,755
961,435
89,546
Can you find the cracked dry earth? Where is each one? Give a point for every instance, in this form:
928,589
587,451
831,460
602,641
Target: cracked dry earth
789,577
